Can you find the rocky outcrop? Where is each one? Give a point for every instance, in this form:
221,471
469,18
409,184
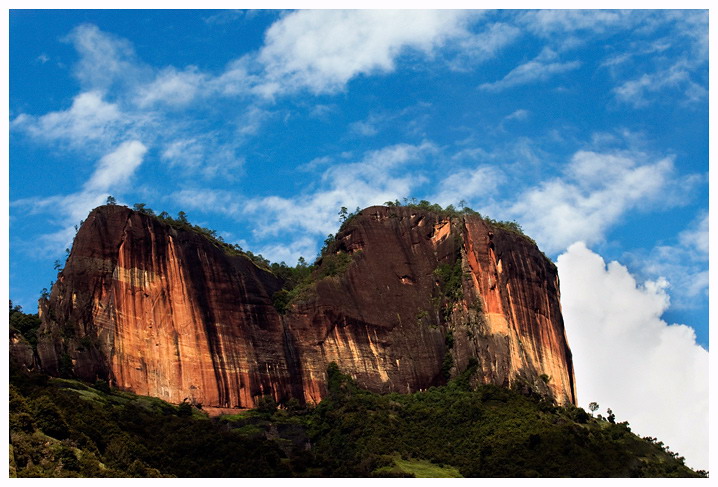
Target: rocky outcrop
413,297
20,351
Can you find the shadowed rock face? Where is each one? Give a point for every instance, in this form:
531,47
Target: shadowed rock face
166,313
20,352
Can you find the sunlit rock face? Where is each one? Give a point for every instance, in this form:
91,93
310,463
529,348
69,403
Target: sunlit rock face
167,313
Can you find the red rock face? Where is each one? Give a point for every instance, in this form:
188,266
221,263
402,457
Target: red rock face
166,313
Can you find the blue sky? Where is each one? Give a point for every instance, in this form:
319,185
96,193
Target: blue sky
589,128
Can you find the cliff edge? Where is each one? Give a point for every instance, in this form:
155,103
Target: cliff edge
402,299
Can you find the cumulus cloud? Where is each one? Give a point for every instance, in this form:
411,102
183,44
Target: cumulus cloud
650,373
541,68
594,192
321,50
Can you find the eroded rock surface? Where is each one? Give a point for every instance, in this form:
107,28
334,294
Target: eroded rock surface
420,297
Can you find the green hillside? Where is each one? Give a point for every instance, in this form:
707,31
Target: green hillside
65,428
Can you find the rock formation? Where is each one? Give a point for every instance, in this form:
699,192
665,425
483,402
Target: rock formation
404,299
20,352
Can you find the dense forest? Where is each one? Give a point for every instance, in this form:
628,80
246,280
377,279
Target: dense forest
66,428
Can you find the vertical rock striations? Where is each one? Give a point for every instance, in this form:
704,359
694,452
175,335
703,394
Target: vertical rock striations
403,300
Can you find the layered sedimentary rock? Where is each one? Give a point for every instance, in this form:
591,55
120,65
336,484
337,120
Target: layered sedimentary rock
419,298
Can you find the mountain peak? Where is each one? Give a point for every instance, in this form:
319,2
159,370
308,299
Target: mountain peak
402,299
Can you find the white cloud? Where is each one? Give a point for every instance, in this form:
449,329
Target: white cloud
520,114
237,79
370,126
637,91
172,87
323,112
594,192
650,48
144,104
208,200
187,153
516,116
677,62
410,119
322,50
89,119
203,155
301,247
365,128
468,185
380,176
229,16
104,58
550,22
696,236
627,358
693,25
541,68
116,168
113,172
316,164
68,211
484,45
684,264
252,120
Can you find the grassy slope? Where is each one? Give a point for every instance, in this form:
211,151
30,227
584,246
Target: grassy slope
420,469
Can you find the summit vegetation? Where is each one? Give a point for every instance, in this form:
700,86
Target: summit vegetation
300,280
181,222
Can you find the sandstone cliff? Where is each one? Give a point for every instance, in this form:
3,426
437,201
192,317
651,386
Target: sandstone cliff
418,297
